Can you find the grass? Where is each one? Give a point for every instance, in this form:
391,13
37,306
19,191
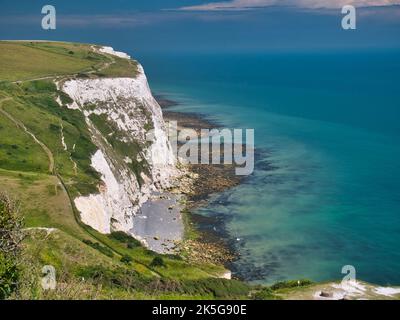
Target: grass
74,248
35,60
34,104
44,207
100,276
43,202
121,68
89,265
18,151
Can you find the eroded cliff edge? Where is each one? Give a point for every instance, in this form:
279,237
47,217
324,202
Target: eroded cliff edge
134,158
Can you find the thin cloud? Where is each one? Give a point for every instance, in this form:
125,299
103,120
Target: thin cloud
307,4
106,21
99,20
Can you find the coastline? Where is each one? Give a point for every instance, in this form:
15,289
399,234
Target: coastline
206,239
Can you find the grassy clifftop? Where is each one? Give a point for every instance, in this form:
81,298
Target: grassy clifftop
21,61
41,60
37,170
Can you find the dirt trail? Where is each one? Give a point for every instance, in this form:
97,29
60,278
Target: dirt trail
22,126
52,167
104,66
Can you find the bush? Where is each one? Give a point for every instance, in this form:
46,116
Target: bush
54,127
219,288
104,250
9,276
126,259
157,262
39,86
114,277
265,294
65,99
95,245
120,236
125,238
88,242
11,236
128,279
82,75
131,245
291,284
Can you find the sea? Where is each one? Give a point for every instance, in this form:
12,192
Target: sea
325,190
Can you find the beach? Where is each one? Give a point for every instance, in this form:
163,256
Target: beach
159,224
211,242
167,224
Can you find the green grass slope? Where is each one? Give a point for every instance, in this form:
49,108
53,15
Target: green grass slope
36,60
31,128
36,169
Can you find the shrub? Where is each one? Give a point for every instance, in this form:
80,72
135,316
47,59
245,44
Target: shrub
95,245
128,279
104,250
65,99
157,262
219,288
291,284
126,259
265,294
11,236
114,277
9,275
120,236
54,127
82,75
125,238
131,245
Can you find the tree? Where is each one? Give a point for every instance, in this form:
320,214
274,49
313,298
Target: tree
11,236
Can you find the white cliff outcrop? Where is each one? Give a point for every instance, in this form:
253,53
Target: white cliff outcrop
140,166
110,50
113,202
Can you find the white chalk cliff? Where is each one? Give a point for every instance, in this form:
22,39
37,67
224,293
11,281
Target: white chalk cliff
127,106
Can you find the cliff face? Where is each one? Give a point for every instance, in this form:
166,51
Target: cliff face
134,157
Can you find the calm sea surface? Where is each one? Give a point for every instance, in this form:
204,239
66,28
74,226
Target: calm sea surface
325,192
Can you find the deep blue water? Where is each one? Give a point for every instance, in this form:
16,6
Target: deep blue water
328,127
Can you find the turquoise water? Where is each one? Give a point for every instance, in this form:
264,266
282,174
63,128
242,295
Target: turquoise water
325,189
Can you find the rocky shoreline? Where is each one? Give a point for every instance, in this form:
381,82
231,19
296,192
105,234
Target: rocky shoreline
208,241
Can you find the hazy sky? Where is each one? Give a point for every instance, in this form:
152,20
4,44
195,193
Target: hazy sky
206,25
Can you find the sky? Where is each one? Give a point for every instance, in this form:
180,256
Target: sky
207,25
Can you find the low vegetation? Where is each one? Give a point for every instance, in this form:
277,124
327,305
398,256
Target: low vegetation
88,265
39,59
291,284
56,235
11,236
157,262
